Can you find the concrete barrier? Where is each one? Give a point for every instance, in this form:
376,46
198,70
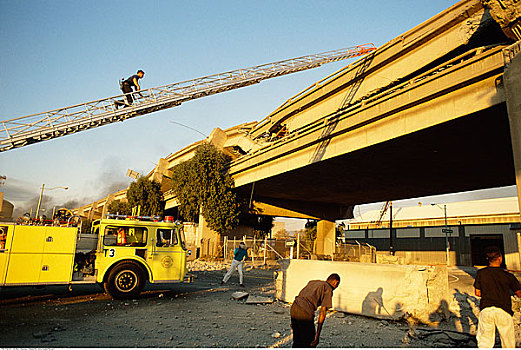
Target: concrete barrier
382,291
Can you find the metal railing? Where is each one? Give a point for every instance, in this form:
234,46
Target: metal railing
22,131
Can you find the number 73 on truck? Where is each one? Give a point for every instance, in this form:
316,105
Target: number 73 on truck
121,253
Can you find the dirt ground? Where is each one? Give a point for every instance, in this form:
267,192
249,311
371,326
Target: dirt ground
201,314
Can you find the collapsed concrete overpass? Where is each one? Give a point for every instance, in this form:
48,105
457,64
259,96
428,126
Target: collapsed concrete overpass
425,114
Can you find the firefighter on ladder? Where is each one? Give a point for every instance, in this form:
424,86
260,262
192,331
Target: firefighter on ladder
126,87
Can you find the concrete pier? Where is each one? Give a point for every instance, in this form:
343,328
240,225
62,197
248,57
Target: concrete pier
512,83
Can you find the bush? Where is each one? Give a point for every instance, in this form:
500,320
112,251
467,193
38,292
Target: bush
120,207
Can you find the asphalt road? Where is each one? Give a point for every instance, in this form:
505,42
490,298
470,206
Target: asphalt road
201,314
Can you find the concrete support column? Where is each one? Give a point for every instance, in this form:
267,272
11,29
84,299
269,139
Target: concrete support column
512,81
108,200
325,237
210,239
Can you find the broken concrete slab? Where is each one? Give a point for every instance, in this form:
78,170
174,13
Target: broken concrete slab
381,291
240,295
257,299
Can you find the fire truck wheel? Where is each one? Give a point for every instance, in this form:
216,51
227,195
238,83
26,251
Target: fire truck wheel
125,281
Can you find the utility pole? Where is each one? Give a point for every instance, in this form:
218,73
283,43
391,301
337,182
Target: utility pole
446,231
391,249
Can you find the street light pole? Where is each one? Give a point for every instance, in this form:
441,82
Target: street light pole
41,196
39,201
447,243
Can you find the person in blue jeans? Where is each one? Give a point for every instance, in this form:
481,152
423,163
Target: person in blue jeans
239,256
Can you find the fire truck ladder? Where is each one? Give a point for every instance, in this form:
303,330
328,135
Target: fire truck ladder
23,131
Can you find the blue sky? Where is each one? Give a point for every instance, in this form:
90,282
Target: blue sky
60,53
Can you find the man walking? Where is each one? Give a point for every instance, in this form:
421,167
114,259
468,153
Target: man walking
239,255
493,284
126,88
316,293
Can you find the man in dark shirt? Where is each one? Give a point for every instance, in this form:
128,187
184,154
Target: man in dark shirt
126,87
316,293
493,284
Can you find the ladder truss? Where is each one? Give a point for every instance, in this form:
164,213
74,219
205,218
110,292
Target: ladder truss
22,131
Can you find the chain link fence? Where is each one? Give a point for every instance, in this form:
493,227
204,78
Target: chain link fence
262,250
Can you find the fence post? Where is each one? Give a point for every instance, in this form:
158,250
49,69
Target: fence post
265,248
225,247
333,250
359,251
253,252
298,245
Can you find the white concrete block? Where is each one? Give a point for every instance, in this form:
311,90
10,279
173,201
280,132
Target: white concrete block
383,291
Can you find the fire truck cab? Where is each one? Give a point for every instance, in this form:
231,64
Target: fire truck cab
121,253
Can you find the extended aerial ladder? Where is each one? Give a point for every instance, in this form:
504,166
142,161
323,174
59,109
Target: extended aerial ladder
22,131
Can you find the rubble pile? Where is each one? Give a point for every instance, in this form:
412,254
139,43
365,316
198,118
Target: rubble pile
200,265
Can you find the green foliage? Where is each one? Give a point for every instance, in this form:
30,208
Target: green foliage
263,225
339,231
146,194
183,180
118,206
204,182
310,230
308,236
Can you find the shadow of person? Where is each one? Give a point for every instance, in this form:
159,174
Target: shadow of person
373,303
443,313
467,303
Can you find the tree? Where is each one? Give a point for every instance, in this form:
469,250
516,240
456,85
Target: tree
119,207
339,231
146,194
203,183
311,230
310,234
183,180
261,224
281,234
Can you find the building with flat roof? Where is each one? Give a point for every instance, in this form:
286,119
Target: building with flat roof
420,234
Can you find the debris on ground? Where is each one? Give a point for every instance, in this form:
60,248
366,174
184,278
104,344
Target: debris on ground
206,316
257,299
240,295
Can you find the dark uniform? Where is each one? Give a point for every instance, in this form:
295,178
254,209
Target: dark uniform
126,87
495,285
314,294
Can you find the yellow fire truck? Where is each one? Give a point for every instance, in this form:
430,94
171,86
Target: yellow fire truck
120,252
